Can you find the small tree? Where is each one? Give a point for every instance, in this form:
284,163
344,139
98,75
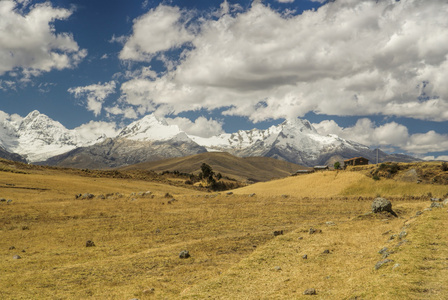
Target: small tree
337,165
207,173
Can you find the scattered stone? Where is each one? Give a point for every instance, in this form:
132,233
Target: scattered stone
184,254
101,197
310,292
16,257
8,201
23,251
252,195
326,251
436,200
387,232
2,200
229,193
382,251
382,262
330,223
300,237
12,248
313,231
305,256
285,196
149,291
90,243
392,237
278,268
87,196
445,202
418,213
395,266
402,234
382,205
401,243
25,228
278,232
158,230
436,205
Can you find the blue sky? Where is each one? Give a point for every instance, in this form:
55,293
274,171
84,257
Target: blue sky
370,71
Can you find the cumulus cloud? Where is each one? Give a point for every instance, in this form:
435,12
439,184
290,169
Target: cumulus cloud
441,157
202,126
29,42
94,130
389,135
162,28
346,58
95,94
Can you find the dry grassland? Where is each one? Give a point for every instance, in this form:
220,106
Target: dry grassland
234,254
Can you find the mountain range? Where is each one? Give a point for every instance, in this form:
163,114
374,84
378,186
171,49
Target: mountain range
41,140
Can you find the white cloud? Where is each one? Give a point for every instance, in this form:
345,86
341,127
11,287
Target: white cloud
441,157
128,112
94,130
202,126
386,136
29,42
347,58
95,94
162,28
285,1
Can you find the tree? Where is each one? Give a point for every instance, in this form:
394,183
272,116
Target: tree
207,173
337,165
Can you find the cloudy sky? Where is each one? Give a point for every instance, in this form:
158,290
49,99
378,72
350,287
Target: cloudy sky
373,71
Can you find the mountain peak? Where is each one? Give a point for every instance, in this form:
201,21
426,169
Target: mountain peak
149,128
298,124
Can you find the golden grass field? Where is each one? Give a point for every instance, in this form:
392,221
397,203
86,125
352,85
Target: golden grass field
234,254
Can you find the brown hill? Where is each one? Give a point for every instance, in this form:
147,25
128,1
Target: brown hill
245,169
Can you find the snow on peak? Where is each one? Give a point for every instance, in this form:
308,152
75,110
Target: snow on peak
149,128
298,125
37,137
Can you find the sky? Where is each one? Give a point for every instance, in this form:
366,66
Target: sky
372,71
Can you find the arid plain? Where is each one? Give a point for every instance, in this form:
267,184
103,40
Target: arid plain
230,236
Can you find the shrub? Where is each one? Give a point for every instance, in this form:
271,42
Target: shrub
444,167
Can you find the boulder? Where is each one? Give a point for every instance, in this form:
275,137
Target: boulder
184,254
310,292
90,243
382,205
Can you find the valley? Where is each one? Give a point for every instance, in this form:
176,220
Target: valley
230,236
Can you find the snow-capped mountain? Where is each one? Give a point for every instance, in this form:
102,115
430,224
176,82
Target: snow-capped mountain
295,141
37,137
147,139
149,128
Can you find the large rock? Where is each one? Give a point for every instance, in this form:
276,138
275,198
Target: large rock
381,204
